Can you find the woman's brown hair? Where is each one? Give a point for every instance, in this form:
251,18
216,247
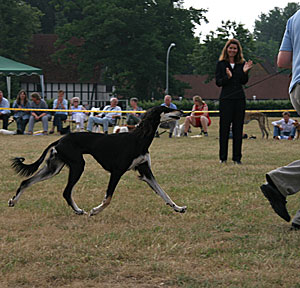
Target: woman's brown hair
198,99
239,58
18,100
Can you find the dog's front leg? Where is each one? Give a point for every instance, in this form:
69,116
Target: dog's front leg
113,182
147,176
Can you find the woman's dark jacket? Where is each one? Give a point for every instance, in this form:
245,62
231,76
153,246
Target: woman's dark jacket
231,88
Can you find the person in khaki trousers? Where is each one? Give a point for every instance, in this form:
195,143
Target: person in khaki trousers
285,181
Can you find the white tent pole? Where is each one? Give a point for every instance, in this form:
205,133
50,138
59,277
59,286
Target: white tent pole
42,85
8,83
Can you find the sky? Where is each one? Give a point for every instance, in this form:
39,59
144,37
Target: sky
241,11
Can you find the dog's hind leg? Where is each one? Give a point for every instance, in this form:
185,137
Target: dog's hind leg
113,182
76,170
261,124
52,167
147,176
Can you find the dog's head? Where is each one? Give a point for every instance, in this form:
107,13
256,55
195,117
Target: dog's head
160,114
296,124
168,114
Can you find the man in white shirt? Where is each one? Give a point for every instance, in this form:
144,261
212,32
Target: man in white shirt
171,124
106,118
284,128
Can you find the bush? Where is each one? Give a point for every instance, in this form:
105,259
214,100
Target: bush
186,105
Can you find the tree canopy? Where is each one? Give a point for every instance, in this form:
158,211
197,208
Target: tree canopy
269,29
18,22
48,14
128,39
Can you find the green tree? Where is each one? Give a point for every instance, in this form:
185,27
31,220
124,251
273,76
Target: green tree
48,14
205,55
269,29
128,39
18,22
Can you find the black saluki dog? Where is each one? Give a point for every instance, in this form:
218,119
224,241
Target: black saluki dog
116,153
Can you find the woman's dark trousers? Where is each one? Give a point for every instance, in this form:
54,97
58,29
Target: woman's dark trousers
232,111
21,124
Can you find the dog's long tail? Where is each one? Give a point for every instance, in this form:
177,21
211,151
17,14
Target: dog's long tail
28,169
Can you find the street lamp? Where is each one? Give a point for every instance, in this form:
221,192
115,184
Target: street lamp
167,67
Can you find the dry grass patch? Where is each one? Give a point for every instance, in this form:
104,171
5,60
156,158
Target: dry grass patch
229,236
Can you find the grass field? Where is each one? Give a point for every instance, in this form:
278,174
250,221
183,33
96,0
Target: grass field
229,236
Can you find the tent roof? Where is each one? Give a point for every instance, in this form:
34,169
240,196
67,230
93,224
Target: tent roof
11,67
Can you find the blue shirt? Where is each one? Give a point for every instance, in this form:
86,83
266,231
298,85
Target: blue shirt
4,104
172,105
65,102
291,43
24,114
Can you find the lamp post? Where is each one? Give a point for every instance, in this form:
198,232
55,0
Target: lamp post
167,67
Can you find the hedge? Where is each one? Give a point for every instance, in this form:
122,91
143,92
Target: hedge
186,105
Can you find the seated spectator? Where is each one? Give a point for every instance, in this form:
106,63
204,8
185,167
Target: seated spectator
59,116
198,119
134,118
284,128
171,124
105,118
4,114
38,103
21,117
78,117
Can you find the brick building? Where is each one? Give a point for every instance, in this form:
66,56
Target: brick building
266,85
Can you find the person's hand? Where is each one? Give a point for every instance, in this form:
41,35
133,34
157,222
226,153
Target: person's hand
228,72
36,117
248,65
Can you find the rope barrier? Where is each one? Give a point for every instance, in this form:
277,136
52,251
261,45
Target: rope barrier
127,112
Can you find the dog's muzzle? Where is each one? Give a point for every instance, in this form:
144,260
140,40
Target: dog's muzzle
171,116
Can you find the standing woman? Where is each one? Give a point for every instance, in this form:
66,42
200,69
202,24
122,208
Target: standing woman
231,73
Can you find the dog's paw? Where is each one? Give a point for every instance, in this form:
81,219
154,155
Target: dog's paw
180,209
183,209
81,212
92,213
11,202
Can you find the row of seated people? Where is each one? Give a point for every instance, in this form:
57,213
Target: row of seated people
109,119
23,118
